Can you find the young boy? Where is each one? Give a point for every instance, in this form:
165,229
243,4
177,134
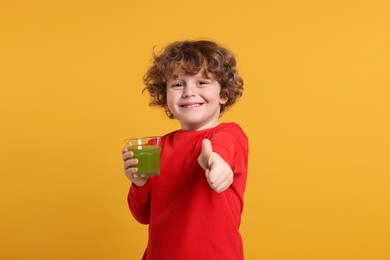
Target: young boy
194,206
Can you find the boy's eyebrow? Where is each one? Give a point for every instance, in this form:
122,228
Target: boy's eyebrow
206,74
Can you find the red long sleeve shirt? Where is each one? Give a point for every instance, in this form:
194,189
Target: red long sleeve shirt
187,219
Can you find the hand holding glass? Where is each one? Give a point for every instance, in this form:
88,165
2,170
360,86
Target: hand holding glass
147,151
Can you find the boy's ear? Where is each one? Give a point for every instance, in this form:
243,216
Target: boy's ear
168,112
223,98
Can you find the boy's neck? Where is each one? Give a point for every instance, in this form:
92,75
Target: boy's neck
199,128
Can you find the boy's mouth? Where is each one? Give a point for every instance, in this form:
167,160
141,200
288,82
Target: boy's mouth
191,105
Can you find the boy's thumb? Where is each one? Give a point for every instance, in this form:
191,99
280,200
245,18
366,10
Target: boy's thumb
205,155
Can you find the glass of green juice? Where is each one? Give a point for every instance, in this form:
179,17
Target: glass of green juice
147,151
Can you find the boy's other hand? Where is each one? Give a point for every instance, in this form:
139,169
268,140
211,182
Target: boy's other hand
218,173
205,154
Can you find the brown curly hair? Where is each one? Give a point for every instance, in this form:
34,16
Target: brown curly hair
192,56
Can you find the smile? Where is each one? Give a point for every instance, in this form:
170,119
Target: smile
191,105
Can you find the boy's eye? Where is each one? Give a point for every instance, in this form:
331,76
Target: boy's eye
202,82
176,85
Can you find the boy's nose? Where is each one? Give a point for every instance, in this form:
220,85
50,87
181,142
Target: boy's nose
189,91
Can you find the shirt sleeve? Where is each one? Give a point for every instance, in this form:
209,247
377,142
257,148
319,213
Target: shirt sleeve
231,144
139,202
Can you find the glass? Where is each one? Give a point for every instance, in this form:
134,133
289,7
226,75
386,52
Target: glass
147,150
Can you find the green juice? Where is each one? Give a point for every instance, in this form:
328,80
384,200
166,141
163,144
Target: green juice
148,159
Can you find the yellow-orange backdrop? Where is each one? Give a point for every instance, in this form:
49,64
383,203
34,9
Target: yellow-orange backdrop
315,107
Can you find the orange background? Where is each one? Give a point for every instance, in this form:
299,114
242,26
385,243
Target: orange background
315,108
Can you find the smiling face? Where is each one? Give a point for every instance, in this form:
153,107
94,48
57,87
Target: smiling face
194,99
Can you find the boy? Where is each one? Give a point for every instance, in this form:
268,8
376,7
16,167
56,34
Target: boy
194,206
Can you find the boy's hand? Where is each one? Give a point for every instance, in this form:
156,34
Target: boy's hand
219,175
130,171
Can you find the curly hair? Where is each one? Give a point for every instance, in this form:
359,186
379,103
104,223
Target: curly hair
192,56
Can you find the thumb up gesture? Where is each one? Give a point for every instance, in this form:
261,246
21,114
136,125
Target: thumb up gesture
218,173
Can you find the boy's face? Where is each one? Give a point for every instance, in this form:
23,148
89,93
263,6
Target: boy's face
194,99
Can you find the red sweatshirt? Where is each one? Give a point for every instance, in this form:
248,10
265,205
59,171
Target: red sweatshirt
187,219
